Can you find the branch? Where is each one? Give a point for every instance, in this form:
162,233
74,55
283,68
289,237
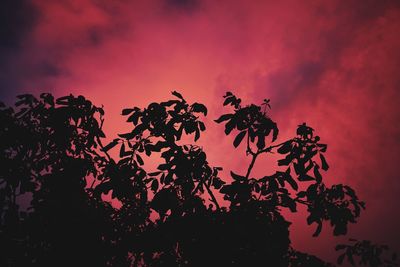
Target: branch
249,151
199,185
253,160
102,148
268,149
302,201
255,154
214,200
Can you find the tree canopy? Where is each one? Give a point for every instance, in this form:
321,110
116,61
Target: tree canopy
53,158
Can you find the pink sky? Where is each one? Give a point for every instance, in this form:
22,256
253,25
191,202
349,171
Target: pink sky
332,64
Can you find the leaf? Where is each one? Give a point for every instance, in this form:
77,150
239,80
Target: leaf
127,135
291,181
103,188
169,103
317,174
162,201
122,151
197,134
64,100
124,161
217,183
301,194
350,257
325,165
285,147
162,178
229,126
178,95
197,107
273,185
298,168
21,111
286,161
226,189
228,100
340,259
224,117
168,178
100,110
127,111
101,134
138,130
154,173
228,94
340,247
290,203
154,185
275,132
134,118
239,138
322,147
178,133
163,167
257,188
261,141
237,177
147,150
110,145
139,159
23,96
158,146
318,230
202,126
305,178
340,229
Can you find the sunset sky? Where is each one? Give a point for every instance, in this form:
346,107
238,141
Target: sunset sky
332,64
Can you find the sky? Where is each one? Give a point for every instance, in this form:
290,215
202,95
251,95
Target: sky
332,64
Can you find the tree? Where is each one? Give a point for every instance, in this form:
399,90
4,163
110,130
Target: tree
52,156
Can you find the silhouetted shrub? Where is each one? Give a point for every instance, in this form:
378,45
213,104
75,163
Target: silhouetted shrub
52,156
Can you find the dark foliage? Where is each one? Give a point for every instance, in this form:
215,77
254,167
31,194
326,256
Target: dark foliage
52,156
368,254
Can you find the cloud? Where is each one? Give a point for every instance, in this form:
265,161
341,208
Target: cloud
183,5
17,19
332,64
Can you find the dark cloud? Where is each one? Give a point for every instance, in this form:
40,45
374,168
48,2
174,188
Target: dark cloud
367,10
183,5
290,83
27,61
95,36
300,80
49,69
17,18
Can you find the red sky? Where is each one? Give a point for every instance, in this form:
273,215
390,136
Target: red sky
332,64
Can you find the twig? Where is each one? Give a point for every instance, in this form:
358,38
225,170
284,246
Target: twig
214,200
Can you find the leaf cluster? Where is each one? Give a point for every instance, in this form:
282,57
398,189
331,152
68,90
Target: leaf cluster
52,156
368,253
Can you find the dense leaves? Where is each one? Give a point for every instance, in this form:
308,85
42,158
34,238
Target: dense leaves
48,151
251,120
366,253
56,175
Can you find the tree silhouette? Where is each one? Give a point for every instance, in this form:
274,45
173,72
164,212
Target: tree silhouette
53,158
